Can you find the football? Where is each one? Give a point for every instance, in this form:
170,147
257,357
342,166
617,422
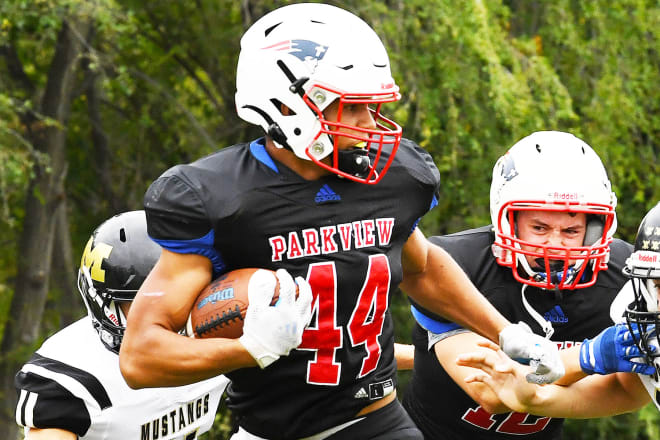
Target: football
220,308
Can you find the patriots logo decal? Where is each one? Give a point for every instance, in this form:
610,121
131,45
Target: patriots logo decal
305,50
508,168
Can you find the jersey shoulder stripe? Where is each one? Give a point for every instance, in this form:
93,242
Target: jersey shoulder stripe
44,403
87,380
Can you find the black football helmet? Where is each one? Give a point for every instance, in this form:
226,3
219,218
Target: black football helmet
117,258
643,268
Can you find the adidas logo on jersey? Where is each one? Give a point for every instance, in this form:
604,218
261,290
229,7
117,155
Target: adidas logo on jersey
326,194
555,314
361,394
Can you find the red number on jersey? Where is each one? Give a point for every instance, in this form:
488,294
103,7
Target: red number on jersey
513,424
324,336
366,323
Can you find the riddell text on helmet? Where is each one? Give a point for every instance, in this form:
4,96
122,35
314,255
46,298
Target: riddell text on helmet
564,196
645,257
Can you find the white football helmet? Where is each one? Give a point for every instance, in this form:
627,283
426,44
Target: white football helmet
305,56
643,268
553,171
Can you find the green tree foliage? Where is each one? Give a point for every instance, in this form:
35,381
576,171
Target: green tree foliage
156,83
606,55
471,90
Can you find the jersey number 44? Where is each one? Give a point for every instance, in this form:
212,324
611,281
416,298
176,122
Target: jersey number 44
324,336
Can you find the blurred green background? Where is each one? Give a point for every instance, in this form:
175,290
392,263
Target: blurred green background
98,97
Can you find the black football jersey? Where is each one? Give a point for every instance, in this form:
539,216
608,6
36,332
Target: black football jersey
240,208
439,407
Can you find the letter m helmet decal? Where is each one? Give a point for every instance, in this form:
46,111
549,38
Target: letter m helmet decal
93,258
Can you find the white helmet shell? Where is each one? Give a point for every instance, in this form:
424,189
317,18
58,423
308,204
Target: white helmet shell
305,56
554,171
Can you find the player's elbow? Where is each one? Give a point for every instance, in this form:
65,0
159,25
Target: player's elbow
131,370
132,363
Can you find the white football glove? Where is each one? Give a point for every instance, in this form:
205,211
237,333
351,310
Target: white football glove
273,331
518,341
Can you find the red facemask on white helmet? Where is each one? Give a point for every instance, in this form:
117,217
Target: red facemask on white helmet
552,171
305,57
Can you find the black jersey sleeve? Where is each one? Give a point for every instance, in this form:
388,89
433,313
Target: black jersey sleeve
420,164
44,403
175,210
177,218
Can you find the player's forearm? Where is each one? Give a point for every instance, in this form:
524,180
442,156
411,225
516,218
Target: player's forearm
571,359
50,434
152,353
163,358
445,289
405,356
593,396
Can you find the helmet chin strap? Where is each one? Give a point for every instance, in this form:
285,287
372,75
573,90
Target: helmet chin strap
546,325
556,274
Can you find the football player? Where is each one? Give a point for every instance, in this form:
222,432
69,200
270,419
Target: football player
332,195
72,387
630,347
542,261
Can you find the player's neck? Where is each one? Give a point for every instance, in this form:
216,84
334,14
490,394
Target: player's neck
307,169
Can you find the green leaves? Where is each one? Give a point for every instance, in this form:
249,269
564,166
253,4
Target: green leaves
157,85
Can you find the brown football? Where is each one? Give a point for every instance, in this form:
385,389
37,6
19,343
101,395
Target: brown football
220,308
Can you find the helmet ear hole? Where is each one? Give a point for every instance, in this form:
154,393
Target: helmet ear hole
594,230
284,109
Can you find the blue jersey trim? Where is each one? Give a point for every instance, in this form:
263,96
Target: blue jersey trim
200,246
258,150
434,203
432,325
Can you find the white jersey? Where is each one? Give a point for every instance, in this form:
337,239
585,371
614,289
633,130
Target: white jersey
73,383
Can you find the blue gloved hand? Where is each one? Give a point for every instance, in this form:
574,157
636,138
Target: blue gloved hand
612,351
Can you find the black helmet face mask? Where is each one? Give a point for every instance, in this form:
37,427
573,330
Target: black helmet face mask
106,314
643,318
643,268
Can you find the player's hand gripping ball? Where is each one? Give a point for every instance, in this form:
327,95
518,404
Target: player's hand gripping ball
219,310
